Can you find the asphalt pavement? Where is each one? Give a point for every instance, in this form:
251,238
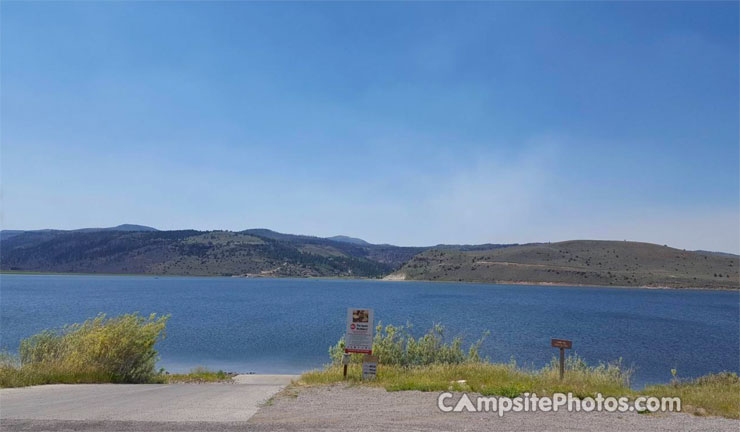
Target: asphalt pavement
129,407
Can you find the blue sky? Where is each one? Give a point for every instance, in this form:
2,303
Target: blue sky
411,124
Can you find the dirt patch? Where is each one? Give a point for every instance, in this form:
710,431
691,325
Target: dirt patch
342,407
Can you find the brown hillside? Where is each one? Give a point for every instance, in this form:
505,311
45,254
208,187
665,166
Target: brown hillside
582,262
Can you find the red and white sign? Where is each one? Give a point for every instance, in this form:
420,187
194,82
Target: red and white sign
359,337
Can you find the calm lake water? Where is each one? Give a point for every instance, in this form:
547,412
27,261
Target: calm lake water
287,325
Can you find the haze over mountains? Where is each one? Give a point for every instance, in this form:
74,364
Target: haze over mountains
137,249
5,234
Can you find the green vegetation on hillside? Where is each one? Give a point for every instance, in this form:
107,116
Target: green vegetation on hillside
582,262
196,253
265,253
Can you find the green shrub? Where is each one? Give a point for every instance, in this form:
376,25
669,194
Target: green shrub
575,366
491,379
198,374
119,349
717,394
394,345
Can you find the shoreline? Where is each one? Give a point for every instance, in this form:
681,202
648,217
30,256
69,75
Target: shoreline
384,279
160,275
564,284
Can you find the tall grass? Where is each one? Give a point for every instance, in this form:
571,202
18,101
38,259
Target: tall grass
502,379
716,394
102,349
395,345
430,364
199,374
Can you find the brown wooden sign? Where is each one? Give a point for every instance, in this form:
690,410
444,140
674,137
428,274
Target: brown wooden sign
562,343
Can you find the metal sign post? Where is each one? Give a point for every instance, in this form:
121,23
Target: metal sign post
345,362
369,367
359,336
563,344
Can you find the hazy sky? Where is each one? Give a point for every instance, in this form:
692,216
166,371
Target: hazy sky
411,124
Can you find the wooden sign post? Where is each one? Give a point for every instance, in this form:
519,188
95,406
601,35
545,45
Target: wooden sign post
345,361
563,344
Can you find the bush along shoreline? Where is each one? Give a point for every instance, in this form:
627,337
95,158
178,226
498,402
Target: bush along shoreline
430,364
101,350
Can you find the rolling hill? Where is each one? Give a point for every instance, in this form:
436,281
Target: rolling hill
257,252
6,234
135,249
578,262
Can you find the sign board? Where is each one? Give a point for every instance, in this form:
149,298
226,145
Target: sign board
562,343
369,367
359,337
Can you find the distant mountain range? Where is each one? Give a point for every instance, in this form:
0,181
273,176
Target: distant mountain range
138,249
346,239
144,250
5,234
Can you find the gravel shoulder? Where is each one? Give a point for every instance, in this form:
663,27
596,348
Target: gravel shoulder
341,407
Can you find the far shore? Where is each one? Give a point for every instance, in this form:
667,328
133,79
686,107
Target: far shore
563,284
385,279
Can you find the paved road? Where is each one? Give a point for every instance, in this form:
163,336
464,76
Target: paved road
170,407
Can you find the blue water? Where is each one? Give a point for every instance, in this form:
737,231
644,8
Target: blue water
287,325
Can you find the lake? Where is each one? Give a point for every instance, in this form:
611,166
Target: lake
287,325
